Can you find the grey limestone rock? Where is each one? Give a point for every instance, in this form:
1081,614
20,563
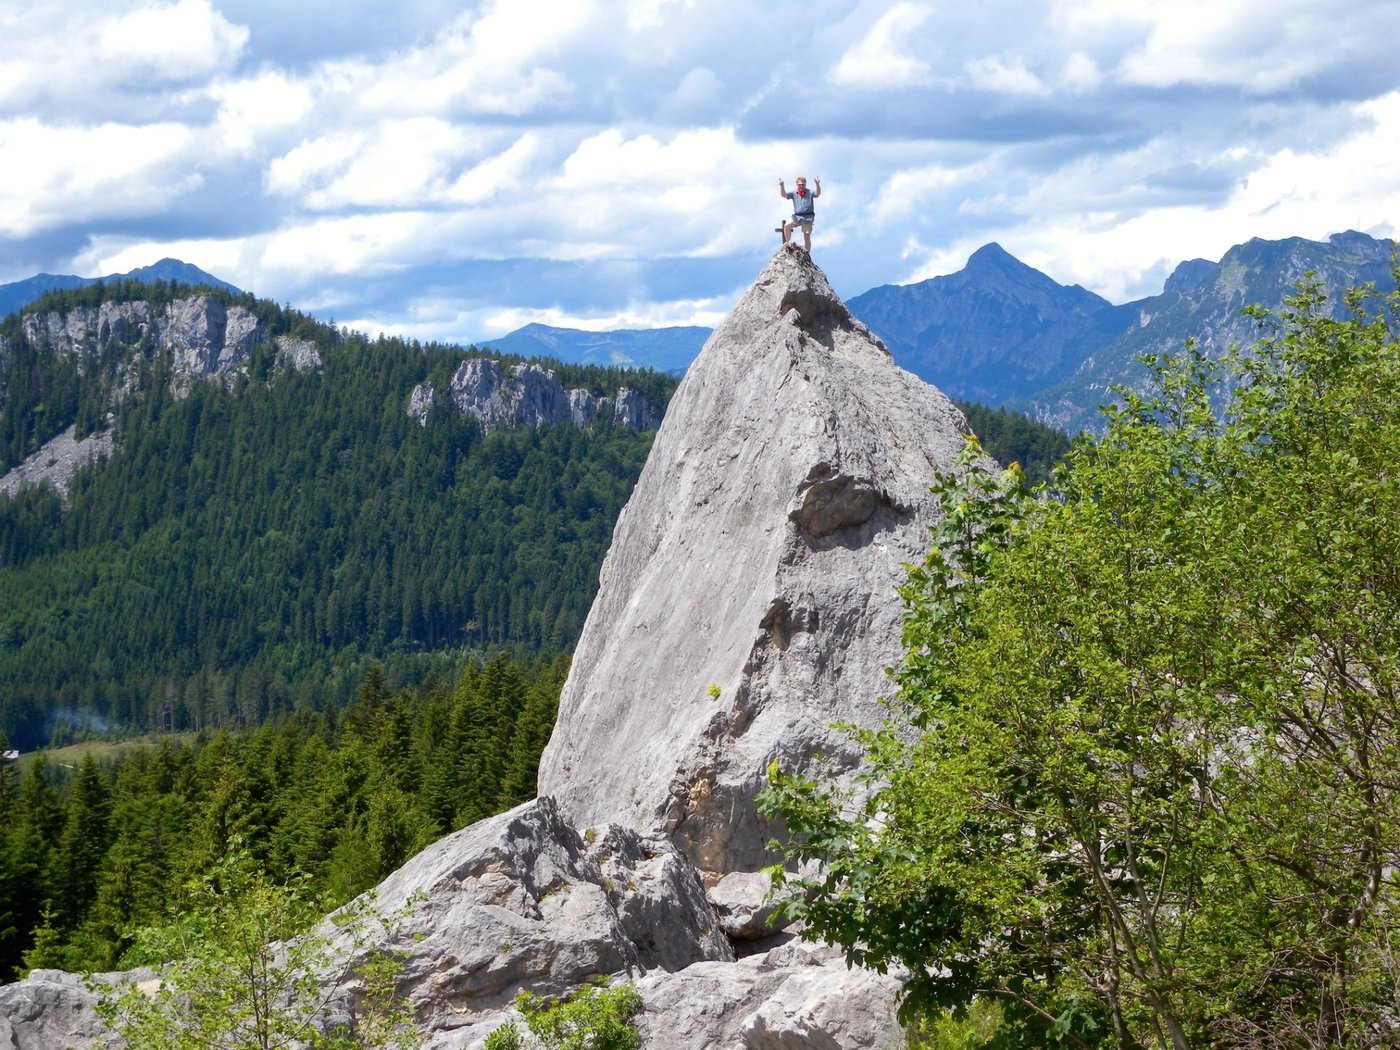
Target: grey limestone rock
794,997
759,555
529,395
57,462
421,402
299,355
523,901
50,1010
205,338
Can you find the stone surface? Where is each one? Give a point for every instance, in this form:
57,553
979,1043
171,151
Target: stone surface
529,395
51,1010
205,338
795,997
745,911
759,553
57,462
523,901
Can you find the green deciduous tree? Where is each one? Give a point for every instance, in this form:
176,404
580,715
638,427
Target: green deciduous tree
1141,780
250,972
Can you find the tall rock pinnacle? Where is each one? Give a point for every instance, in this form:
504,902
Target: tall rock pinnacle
759,554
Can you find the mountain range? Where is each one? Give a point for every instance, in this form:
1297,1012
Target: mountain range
1002,333
997,332
19,294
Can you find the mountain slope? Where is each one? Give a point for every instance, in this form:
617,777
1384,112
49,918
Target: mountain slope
665,349
273,514
995,330
1205,302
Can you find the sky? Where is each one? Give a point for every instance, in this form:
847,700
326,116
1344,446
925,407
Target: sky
452,171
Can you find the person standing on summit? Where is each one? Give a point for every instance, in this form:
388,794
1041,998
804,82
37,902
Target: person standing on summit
803,211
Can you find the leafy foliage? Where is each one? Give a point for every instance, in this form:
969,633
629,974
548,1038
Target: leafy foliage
1140,785
593,1018
246,969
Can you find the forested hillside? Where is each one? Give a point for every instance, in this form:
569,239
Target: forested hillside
1012,437
251,546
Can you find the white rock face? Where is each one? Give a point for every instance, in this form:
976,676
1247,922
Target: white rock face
759,553
205,338
57,462
529,395
794,997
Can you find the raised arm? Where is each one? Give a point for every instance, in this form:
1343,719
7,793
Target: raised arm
817,182
782,190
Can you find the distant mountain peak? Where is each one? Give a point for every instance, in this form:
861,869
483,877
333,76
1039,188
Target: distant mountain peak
990,253
19,294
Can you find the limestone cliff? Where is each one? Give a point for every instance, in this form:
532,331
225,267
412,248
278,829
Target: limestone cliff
759,553
529,395
205,337
206,340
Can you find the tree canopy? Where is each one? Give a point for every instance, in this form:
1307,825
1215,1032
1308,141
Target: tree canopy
1139,783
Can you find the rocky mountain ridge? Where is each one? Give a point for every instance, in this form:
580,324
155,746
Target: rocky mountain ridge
1205,302
992,332
528,395
18,294
665,349
758,554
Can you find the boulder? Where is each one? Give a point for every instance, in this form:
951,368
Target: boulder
748,599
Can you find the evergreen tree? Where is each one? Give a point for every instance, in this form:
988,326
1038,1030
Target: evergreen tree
82,845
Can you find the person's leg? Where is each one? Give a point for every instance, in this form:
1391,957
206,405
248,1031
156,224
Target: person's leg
807,239
787,231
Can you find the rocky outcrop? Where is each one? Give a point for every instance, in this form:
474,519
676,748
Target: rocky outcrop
524,901
205,337
529,395
57,462
756,560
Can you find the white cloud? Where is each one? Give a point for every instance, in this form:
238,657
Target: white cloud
1008,76
1121,251
879,60
403,162
59,175
905,194
249,109
500,174
708,312
1080,73
1227,42
492,64
175,41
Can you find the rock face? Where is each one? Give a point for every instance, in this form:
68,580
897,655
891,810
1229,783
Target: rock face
57,462
529,395
758,554
205,337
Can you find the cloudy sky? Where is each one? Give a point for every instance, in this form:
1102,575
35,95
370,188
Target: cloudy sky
452,171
